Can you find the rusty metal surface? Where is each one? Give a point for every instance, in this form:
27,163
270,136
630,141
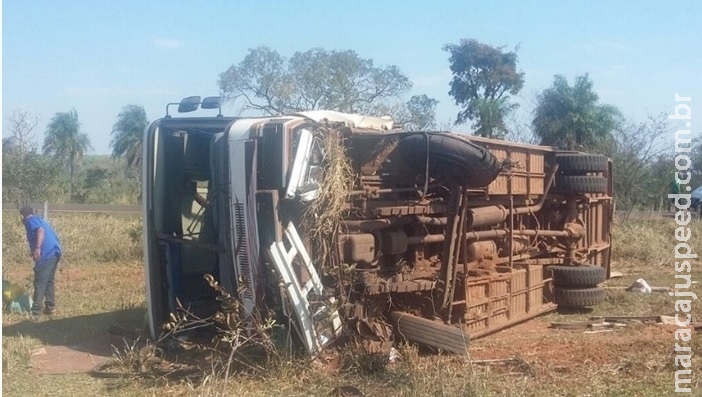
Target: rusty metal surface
430,333
525,224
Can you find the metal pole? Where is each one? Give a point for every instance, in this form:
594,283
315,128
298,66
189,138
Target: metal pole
511,220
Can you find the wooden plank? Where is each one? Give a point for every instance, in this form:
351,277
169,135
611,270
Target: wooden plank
577,324
651,319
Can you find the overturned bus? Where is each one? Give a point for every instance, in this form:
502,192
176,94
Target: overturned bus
327,221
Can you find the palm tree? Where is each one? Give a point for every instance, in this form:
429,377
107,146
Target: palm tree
492,113
65,142
571,117
128,135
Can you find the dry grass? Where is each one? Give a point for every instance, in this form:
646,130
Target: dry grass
102,284
337,182
322,217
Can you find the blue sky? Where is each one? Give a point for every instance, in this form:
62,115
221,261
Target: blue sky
97,56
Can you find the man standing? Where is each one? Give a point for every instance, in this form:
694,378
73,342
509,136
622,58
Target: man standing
45,249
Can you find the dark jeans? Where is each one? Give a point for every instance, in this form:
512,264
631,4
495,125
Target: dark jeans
44,272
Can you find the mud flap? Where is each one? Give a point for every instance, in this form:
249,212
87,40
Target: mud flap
318,322
430,333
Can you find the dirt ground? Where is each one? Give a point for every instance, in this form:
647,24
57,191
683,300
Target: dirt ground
535,341
633,360
636,360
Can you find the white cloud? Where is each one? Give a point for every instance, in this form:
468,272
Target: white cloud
168,43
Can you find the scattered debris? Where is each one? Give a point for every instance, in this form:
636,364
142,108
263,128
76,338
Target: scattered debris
626,319
15,298
577,324
616,275
394,355
346,391
510,360
670,320
144,360
641,286
609,322
513,363
592,324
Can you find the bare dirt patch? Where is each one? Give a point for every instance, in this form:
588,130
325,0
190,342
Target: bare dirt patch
78,358
535,342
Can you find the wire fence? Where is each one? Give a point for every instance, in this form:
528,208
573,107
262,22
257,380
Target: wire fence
45,209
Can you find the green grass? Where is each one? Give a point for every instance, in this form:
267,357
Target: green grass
102,284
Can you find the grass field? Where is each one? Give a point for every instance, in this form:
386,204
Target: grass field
101,283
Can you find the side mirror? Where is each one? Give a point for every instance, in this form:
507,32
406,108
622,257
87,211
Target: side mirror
188,104
211,102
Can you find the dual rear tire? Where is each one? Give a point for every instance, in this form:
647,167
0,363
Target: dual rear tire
575,173
581,163
577,286
580,173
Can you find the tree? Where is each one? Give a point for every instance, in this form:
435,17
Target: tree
571,117
314,79
26,176
103,180
422,113
491,116
28,179
417,114
482,77
696,168
128,135
65,142
10,145
21,125
98,185
642,168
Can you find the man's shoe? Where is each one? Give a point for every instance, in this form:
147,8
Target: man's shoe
49,312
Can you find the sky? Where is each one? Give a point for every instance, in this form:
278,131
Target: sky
98,56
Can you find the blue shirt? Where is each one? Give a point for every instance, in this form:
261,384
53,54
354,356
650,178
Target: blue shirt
50,246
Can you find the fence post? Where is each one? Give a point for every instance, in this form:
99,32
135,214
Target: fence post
46,210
